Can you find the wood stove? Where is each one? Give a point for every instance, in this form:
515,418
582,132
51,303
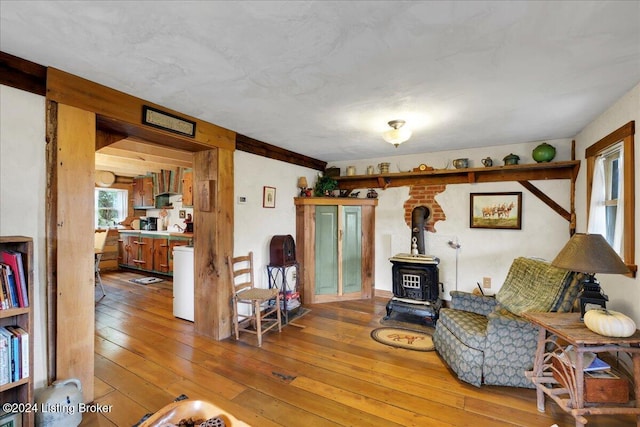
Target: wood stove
416,287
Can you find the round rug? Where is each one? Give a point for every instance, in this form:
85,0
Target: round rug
403,338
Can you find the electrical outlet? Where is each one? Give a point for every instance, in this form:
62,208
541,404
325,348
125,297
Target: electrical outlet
242,200
486,282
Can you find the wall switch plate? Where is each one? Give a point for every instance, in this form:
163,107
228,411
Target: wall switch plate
242,200
486,282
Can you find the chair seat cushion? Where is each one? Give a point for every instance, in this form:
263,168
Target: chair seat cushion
470,328
258,294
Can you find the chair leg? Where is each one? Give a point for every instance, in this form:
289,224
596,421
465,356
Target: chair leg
98,278
236,327
256,313
278,313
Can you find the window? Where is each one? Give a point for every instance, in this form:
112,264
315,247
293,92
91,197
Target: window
110,206
611,192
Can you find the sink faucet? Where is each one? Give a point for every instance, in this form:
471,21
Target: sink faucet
179,228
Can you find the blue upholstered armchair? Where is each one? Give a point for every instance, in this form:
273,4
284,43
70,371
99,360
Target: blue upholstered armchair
485,341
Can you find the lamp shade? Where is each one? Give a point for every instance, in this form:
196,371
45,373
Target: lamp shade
398,134
302,182
589,253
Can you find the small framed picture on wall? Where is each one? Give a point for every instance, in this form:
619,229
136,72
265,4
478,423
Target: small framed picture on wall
268,197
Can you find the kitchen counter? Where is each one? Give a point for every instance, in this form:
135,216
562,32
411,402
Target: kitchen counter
158,233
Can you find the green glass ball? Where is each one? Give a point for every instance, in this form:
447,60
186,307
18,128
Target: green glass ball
543,153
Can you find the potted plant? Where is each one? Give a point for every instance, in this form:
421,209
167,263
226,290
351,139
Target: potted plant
325,186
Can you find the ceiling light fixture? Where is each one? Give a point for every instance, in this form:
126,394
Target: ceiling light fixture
398,134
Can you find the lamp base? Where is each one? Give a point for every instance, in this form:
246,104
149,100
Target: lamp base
591,294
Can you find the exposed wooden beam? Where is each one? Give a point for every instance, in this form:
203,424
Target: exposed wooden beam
253,146
22,74
104,139
547,200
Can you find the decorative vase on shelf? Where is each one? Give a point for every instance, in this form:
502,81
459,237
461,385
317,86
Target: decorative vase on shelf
511,159
543,153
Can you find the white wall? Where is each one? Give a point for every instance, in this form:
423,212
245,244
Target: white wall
483,252
623,292
22,195
254,226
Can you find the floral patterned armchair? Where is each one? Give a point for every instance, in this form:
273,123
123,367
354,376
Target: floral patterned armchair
485,341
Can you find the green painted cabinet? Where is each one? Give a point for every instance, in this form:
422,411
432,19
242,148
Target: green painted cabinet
335,248
326,250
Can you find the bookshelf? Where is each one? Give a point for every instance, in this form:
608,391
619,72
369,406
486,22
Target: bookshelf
20,391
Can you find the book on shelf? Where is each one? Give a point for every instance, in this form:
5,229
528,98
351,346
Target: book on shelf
14,348
5,357
14,260
9,286
590,361
23,342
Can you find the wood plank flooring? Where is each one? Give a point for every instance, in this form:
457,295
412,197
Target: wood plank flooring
322,370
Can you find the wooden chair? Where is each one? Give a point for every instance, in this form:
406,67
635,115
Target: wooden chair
261,304
98,246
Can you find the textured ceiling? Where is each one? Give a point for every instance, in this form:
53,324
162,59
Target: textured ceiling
323,78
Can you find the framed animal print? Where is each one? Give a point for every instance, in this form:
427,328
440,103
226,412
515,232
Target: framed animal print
496,210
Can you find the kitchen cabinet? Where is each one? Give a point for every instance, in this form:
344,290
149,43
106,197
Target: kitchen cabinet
148,251
143,197
335,248
143,250
161,255
21,391
126,255
187,188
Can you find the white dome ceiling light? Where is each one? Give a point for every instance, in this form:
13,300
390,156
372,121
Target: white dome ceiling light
398,134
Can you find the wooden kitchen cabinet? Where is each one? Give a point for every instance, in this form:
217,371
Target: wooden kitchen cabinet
161,255
143,250
335,248
126,255
187,188
149,252
143,197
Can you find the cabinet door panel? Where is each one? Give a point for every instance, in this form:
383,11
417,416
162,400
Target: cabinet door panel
161,255
352,249
326,248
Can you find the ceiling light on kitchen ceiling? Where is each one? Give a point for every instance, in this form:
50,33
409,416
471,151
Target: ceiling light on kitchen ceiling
398,134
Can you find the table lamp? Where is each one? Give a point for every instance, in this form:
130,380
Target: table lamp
590,254
302,184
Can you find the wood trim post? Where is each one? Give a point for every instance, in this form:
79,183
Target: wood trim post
73,236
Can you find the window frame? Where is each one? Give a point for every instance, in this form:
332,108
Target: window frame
625,136
125,200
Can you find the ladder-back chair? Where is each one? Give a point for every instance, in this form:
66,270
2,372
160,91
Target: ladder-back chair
261,304
98,246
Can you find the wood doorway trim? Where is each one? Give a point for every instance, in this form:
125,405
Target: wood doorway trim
77,110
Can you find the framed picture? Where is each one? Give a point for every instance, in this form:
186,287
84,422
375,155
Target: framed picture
268,197
11,420
496,210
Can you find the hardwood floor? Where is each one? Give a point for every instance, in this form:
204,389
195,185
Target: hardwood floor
322,370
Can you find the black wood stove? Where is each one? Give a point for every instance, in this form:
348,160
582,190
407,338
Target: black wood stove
416,289
416,286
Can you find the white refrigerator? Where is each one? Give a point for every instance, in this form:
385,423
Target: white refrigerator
183,282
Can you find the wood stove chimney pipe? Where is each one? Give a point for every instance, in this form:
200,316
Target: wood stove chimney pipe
419,217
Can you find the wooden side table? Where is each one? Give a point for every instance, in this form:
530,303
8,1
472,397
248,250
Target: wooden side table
556,332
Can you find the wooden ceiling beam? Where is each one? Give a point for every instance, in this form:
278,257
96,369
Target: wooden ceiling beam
254,146
22,74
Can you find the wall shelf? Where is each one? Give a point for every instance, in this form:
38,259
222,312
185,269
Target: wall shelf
526,172
520,173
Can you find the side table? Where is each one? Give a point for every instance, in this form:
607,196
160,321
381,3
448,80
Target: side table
278,279
556,332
